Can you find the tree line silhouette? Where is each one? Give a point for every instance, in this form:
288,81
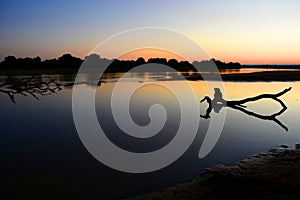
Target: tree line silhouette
68,61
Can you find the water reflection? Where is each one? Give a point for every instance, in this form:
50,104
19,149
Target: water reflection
44,85
39,141
217,103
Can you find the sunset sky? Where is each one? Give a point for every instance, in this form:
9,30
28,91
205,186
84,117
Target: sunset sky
249,32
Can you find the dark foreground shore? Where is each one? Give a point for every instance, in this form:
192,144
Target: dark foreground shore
271,175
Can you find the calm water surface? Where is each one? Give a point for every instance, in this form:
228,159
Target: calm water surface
42,155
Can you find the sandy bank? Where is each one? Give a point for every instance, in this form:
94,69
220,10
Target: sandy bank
271,175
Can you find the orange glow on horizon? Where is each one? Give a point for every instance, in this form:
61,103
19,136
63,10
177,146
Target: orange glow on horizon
243,59
262,61
219,52
150,53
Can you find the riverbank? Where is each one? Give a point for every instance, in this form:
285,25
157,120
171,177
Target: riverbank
263,76
271,175
254,76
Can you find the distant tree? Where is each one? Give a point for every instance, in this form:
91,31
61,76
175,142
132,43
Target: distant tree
94,62
186,66
140,61
10,59
37,59
158,60
93,56
67,60
50,63
173,62
208,65
235,65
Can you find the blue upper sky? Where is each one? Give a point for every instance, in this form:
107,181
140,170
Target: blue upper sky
255,31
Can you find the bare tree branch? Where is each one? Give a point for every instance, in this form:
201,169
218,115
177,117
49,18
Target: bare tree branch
28,86
262,96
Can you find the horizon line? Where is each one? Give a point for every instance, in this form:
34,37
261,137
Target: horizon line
82,58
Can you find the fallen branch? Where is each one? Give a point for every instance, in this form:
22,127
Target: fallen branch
28,86
262,96
238,105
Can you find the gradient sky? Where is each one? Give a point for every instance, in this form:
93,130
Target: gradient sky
257,31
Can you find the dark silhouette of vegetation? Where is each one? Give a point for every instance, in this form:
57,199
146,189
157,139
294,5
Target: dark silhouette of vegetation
67,60
13,62
218,103
208,65
72,64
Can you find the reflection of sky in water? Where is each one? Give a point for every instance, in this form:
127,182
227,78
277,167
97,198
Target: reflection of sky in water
39,141
242,133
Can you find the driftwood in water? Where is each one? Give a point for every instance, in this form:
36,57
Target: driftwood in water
218,102
28,86
262,96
